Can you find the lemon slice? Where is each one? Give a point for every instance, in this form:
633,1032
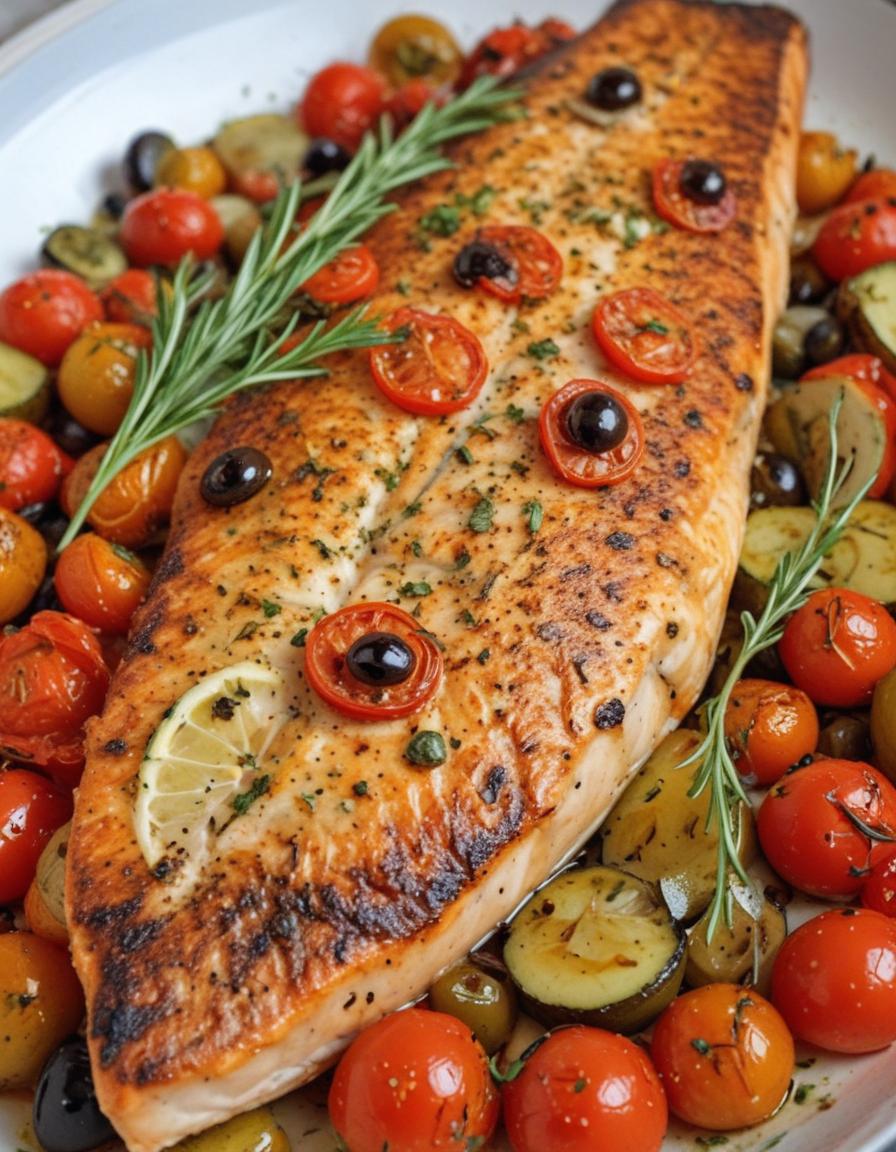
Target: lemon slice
206,762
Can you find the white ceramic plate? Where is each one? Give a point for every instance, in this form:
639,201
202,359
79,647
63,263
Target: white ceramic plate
77,86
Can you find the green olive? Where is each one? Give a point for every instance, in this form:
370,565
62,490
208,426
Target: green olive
846,737
808,284
484,1001
883,724
789,339
255,1131
742,952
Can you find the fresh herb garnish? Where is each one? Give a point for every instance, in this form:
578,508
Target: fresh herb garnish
543,349
534,514
244,800
415,588
427,749
482,515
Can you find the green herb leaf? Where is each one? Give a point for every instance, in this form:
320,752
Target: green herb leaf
298,641
543,349
415,588
443,220
481,517
270,608
514,413
534,513
243,801
426,749
360,788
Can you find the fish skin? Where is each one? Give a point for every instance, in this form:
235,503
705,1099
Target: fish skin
306,925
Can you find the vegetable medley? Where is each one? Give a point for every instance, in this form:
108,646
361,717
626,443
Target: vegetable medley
602,952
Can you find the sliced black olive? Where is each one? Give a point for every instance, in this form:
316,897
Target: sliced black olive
67,1117
776,481
596,422
478,260
613,89
808,284
824,341
702,181
380,659
324,156
142,158
71,436
235,476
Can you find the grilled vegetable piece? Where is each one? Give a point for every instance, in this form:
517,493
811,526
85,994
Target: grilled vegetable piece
657,832
596,946
743,953
256,147
24,385
883,724
87,252
867,304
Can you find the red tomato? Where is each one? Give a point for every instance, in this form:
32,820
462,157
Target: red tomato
326,666
439,368
879,890
878,184
860,366
342,102
856,236
100,583
409,100
837,646
353,275
52,678
131,297
673,205
165,224
575,463
413,1082
769,727
824,826
31,466
536,264
645,336
506,50
834,981
585,1089
44,312
31,809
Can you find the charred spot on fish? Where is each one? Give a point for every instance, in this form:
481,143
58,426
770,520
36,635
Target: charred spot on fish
614,89
598,620
494,782
443,889
123,1024
693,419
481,261
139,935
576,571
671,629
171,565
109,914
549,631
682,468
610,714
621,541
235,476
116,747
743,382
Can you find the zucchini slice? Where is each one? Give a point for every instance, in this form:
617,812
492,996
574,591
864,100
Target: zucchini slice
87,252
734,954
265,143
24,385
867,304
596,946
240,220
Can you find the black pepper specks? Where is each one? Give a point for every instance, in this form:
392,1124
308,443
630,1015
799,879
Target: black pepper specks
598,620
621,541
693,419
116,747
609,715
743,382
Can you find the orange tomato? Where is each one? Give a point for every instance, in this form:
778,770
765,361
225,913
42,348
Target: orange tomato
194,169
824,171
23,562
131,297
100,583
769,727
874,185
96,376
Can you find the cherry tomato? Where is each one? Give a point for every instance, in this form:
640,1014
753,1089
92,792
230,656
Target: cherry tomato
856,236
724,1056
342,102
412,1082
52,678
326,667
824,826
440,367
409,100
824,171
769,727
96,376
584,1089
100,583
537,266
645,336
673,205
879,890
412,48
192,169
131,298
353,275
23,562
164,225
859,366
834,981
44,312
575,463
31,466
878,184
837,646
31,809
506,50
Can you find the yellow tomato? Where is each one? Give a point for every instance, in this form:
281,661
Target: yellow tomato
824,171
416,48
23,562
96,376
194,169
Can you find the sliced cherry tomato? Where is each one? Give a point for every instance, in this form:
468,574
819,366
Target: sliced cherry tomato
23,562
837,646
353,275
824,826
131,298
505,50
769,727
164,225
577,464
439,368
412,1082
878,184
537,266
834,981
31,466
879,890
341,102
100,583
96,376
824,171
44,312
673,205
31,809
52,679
645,336
856,236
724,1056
327,667
584,1089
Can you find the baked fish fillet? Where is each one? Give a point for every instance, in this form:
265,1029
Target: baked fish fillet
311,919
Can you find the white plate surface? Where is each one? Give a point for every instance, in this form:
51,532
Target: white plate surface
77,86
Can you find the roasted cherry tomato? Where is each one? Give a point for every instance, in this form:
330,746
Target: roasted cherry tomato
591,434
679,209
96,376
351,276
823,827
856,236
536,266
860,366
584,1089
131,298
506,50
31,466
439,367
342,102
52,678
769,727
645,336
44,312
724,1056
193,170
23,562
879,889
31,809
409,100
824,171
878,184
412,1082
100,583
837,646
415,48
164,225
834,981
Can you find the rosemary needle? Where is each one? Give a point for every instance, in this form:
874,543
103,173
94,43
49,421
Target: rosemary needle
206,350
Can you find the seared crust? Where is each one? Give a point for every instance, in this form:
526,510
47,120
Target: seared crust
568,654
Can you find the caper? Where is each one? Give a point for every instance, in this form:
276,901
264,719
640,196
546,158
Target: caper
484,1001
883,724
846,737
824,341
789,339
808,284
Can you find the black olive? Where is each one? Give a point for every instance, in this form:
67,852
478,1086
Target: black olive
477,260
235,476
846,737
142,158
824,341
776,482
114,204
380,659
613,89
324,156
808,284
67,433
66,1116
596,422
702,181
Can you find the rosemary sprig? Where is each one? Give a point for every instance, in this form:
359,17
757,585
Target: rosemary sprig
201,355
788,590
